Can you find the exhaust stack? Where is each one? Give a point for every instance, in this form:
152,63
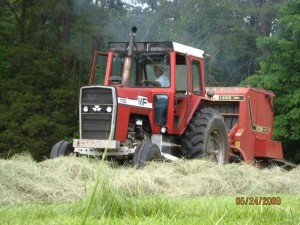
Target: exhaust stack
128,60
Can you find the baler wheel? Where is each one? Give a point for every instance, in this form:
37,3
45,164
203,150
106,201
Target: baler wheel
206,137
146,152
62,148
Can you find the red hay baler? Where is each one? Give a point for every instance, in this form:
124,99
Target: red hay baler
248,114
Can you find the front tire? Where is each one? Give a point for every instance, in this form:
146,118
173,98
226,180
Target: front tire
146,152
206,137
62,148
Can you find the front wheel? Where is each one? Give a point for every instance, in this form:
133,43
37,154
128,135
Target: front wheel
206,137
146,152
62,148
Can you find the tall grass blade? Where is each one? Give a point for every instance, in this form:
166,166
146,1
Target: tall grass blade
96,184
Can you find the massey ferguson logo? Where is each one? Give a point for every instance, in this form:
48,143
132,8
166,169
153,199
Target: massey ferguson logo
97,108
141,101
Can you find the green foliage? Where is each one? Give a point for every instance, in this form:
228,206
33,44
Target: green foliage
280,73
40,74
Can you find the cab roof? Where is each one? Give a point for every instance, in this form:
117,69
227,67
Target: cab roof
155,47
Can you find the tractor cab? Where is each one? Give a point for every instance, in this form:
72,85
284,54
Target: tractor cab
182,79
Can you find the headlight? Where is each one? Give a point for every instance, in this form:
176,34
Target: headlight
163,130
109,109
85,109
139,122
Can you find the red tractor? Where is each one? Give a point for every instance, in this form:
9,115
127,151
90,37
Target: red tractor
148,101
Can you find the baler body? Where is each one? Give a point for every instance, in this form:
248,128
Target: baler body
248,114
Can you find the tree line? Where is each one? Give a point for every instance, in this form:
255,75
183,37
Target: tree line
46,49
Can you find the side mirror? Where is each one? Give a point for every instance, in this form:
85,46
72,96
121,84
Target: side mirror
115,79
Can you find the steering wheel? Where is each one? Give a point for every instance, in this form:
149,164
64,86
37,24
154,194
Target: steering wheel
151,83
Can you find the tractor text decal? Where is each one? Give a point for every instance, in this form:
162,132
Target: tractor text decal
228,97
140,102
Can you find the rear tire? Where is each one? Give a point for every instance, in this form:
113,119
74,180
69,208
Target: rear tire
206,137
62,148
146,152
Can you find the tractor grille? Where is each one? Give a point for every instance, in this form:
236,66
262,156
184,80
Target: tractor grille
95,117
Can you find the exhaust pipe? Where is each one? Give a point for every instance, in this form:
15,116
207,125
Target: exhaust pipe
128,60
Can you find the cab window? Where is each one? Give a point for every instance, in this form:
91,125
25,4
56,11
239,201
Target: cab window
196,77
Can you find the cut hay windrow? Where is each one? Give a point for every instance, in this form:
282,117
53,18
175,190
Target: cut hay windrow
64,179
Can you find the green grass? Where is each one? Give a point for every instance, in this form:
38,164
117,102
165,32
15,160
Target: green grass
119,209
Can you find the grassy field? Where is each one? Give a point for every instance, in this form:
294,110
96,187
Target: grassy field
156,210
185,192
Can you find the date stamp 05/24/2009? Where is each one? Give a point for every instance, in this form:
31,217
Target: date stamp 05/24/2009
257,200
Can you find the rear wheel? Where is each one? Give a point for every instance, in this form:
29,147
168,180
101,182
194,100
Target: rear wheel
146,152
206,137
62,148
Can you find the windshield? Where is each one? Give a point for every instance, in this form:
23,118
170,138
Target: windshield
148,70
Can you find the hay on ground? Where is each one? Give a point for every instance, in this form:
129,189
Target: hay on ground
64,179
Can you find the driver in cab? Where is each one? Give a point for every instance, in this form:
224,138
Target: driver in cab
161,78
